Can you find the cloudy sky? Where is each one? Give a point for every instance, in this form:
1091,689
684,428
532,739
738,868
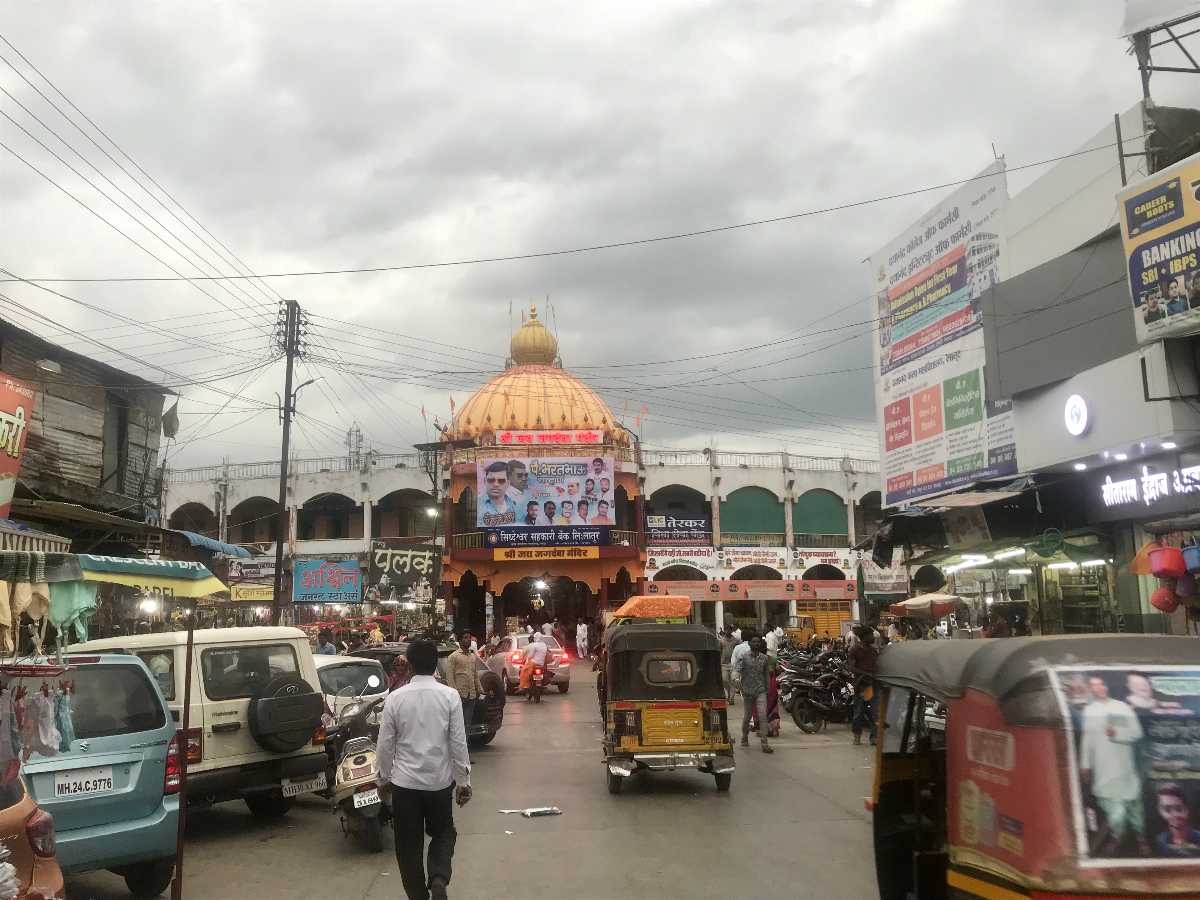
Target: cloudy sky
312,136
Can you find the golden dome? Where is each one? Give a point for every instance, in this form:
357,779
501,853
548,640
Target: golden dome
533,344
534,395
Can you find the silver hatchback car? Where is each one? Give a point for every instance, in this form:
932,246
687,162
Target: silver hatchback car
507,658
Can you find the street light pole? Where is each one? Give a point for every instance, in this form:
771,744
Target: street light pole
291,324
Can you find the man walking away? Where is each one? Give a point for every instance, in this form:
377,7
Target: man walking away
462,674
422,757
862,663
728,642
752,667
581,639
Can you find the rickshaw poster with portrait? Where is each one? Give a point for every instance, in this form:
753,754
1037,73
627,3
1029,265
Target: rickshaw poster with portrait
1134,767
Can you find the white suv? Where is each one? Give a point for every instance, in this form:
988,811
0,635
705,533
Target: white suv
254,732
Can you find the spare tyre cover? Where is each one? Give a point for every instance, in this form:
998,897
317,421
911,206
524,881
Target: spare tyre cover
284,715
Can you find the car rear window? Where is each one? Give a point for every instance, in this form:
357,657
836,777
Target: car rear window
234,672
114,699
350,679
550,642
670,670
161,664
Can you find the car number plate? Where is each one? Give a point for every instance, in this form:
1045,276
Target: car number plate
293,788
366,798
80,782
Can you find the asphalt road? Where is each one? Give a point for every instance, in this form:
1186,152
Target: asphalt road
792,825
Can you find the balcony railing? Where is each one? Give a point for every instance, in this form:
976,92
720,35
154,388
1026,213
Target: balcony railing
244,471
755,460
752,538
811,539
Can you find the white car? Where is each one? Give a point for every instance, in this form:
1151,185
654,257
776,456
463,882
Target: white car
508,657
344,679
254,731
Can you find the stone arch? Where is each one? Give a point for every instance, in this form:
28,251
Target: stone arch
622,587
623,514
818,512
195,517
677,500
329,516
254,520
680,572
756,573
824,572
404,513
468,604
752,510
868,515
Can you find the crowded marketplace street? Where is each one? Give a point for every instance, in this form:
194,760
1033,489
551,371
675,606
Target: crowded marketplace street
804,802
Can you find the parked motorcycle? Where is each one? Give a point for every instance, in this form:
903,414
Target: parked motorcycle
816,699
355,787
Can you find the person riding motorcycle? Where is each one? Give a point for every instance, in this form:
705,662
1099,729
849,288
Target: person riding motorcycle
535,655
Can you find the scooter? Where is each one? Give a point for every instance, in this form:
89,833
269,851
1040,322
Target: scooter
355,788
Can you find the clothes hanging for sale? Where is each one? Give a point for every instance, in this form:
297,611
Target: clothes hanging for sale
62,718
7,644
72,605
39,603
39,734
10,748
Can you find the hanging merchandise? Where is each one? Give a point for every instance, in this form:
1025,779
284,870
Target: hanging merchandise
10,746
7,643
39,734
62,717
10,885
72,605
1140,564
1167,562
1164,599
1191,557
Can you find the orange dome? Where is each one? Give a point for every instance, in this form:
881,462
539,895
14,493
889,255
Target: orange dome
533,394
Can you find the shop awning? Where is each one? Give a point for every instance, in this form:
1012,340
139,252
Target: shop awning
173,578
19,536
927,606
215,546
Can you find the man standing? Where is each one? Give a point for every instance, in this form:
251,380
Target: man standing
1108,763
535,655
423,765
463,675
325,645
728,642
581,639
752,668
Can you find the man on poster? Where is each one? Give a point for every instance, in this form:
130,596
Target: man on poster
497,508
1108,766
518,482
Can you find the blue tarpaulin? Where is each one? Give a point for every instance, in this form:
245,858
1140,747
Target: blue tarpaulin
199,540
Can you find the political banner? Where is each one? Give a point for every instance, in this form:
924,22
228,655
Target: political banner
658,559
251,568
1160,230
806,558
326,581
395,569
519,494
679,531
776,558
547,536
1134,744
16,414
937,429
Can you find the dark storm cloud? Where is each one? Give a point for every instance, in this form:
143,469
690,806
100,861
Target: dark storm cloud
320,135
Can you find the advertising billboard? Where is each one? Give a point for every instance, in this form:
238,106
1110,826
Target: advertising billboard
16,412
679,531
396,570
546,501
1160,229
937,429
326,581
702,558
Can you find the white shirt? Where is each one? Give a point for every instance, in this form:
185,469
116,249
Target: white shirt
1111,759
772,642
581,633
422,741
536,651
738,652
547,629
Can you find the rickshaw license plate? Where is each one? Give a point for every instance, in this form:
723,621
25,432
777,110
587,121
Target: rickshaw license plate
295,788
366,798
80,782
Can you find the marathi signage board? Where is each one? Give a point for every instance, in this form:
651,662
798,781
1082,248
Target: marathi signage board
880,580
1133,734
550,495
1160,229
679,531
937,429
518,554
1162,486
805,558
661,558
252,593
16,413
397,570
564,437
251,568
732,558
755,590
326,581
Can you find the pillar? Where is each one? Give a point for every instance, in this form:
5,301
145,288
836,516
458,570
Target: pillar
640,513
760,610
603,595
792,611
367,515
789,537
716,520
292,533
720,614
640,588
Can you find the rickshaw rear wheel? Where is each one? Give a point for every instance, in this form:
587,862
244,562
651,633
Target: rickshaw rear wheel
614,783
724,780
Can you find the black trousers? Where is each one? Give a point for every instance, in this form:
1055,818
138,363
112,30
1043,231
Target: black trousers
415,814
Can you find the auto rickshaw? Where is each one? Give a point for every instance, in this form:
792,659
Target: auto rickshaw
665,707
1038,767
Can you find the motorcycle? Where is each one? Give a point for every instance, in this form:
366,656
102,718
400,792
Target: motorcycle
815,700
536,684
355,790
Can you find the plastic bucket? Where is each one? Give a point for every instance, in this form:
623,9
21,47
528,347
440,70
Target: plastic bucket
1191,558
1167,562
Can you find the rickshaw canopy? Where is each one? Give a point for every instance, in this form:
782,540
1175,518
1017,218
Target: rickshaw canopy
944,670
641,636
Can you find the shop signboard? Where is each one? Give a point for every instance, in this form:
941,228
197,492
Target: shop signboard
395,568
16,414
660,558
548,438
326,581
730,590
563,554
733,558
1133,734
1155,487
251,569
841,558
252,593
938,430
678,531
518,496
1160,230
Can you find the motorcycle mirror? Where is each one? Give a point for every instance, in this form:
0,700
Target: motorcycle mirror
373,681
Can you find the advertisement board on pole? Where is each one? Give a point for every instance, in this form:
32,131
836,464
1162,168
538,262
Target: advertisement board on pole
937,429
326,581
519,496
16,414
1160,230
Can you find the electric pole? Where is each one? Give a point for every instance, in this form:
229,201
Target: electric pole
289,333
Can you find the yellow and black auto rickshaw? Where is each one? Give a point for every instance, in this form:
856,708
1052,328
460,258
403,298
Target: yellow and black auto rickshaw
1047,767
665,707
